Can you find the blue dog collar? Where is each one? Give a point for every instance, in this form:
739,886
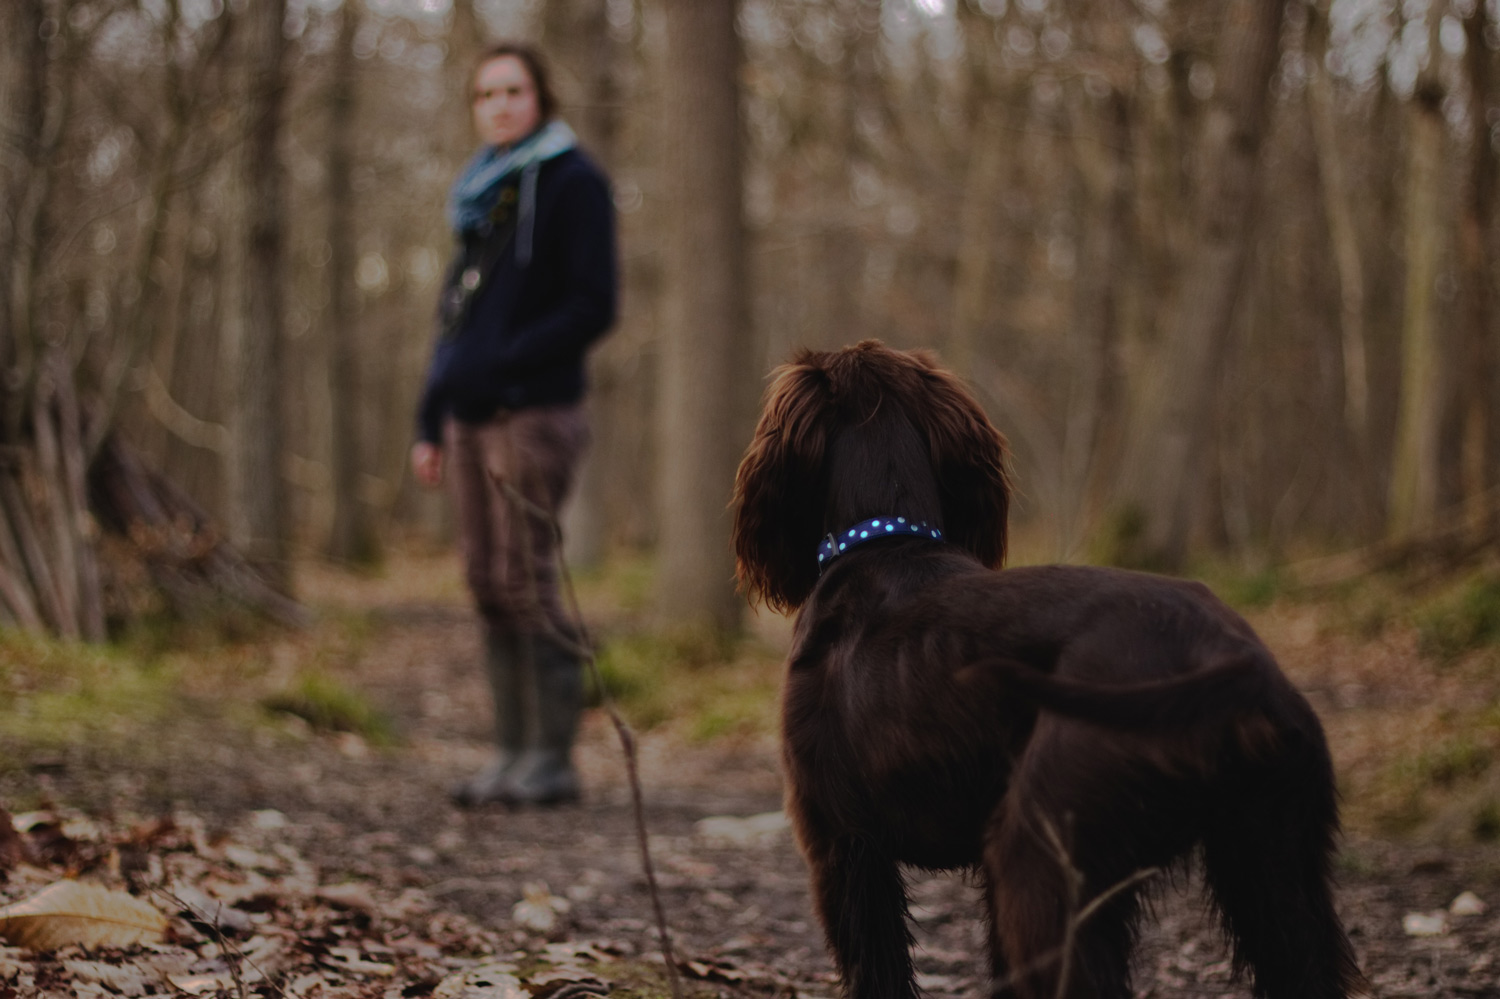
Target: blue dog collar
833,546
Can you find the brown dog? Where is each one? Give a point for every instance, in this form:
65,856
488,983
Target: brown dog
1064,731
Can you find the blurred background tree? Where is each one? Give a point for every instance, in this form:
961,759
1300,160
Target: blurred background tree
1224,272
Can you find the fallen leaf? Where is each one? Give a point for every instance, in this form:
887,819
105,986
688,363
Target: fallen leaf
126,979
588,950
12,846
11,962
196,984
252,860
1425,924
87,915
931,913
933,983
264,955
539,908
488,981
544,983
713,971
201,907
349,960
761,830
49,839
1467,904
268,818
349,895
576,989
303,985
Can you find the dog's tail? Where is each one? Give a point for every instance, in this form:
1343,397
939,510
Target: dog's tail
1230,686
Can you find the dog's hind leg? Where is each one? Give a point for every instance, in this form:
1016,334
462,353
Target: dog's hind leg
1064,903
1000,985
861,900
1267,854
1041,946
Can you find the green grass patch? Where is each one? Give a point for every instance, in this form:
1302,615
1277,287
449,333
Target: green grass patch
1454,761
1460,619
1247,590
329,705
1403,816
711,686
625,582
110,697
1121,540
1484,825
55,693
1411,787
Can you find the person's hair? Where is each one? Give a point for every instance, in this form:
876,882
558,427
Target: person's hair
536,68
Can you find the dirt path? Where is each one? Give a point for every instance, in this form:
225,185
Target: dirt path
738,896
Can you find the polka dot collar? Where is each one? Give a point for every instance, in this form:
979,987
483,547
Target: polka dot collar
833,545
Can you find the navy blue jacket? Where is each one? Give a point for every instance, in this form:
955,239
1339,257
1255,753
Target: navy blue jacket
523,339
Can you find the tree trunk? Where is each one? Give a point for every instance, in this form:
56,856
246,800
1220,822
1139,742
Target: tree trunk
995,109
187,559
33,127
1094,385
1338,207
973,282
1171,438
577,37
352,535
1416,466
1479,394
49,575
257,493
22,72
705,344
836,316
576,34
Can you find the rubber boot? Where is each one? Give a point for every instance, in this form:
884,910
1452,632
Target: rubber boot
502,667
544,774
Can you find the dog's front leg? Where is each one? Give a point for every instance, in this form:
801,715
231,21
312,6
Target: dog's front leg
861,900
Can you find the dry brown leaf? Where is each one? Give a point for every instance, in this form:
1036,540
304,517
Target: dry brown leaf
77,913
349,895
12,846
538,909
196,984
1425,924
1467,904
124,979
487,981
712,971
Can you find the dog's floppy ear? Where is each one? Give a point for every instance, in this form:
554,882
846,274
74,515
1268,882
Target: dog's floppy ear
970,459
779,489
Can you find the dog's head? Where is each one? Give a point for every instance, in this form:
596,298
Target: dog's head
862,432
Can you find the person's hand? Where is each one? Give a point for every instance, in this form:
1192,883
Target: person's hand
427,463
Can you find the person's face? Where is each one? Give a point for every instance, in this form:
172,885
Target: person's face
505,101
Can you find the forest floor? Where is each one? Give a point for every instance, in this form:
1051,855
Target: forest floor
421,893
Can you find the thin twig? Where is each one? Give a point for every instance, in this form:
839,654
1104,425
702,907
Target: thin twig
1063,952
235,957
1099,901
1075,886
584,649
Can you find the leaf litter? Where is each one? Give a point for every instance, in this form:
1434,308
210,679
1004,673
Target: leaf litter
163,907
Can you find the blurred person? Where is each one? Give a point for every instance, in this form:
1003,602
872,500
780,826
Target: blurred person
532,285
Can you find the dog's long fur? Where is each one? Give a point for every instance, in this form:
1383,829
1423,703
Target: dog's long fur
1025,723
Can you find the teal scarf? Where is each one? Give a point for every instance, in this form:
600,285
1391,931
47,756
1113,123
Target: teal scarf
473,194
